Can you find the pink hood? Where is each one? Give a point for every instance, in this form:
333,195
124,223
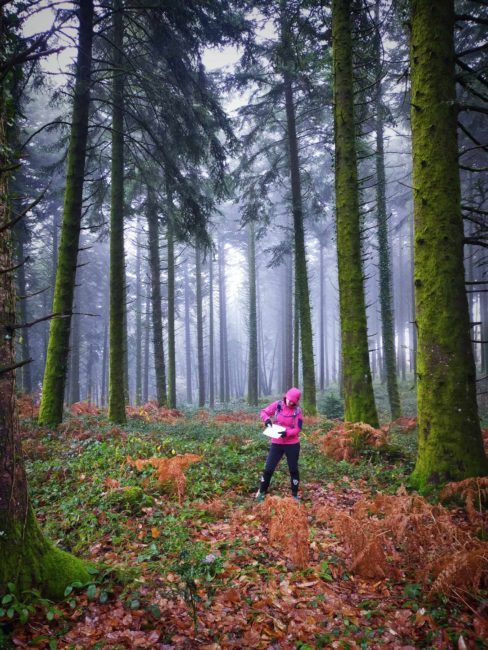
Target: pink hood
293,395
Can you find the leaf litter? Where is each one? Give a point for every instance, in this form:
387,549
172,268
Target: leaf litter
344,568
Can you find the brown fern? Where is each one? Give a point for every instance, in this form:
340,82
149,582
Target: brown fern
473,490
169,471
288,528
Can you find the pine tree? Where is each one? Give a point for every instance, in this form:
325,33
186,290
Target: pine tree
27,558
356,374
51,409
450,444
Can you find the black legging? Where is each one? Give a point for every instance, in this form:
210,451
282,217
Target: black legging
292,452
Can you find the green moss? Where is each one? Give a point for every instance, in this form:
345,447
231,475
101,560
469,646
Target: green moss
51,409
357,384
131,499
450,444
29,561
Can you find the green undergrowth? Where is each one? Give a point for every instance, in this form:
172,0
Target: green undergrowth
92,502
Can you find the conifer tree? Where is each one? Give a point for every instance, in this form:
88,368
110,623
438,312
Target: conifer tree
51,409
27,558
450,443
117,338
356,374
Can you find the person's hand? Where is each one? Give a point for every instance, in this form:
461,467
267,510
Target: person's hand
283,435
268,422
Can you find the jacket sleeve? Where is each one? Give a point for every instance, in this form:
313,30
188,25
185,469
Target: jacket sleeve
268,411
295,431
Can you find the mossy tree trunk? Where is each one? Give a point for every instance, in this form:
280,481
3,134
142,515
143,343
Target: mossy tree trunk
157,314
302,295
356,373
252,372
170,236
117,338
386,298
450,444
51,409
27,559
199,305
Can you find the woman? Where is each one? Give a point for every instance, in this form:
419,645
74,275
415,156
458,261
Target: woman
287,414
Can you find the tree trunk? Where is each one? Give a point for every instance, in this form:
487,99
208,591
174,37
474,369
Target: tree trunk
224,392
74,360
189,390
289,325
211,336
157,315
252,374
51,409
117,347
302,291
356,373
25,345
171,308
386,298
138,360
450,443
27,559
147,330
321,320
199,301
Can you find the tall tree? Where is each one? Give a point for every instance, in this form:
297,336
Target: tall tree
211,335
199,305
27,559
157,314
224,388
356,373
138,359
170,237
302,295
252,374
450,443
117,347
51,409
385,288
189,390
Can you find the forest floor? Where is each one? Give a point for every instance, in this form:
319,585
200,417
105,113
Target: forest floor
185,558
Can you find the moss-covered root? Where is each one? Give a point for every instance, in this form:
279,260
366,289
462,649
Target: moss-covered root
29,561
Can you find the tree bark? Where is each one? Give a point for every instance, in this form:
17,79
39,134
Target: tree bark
211,336
450,443
302,295
199,305
356,373
385,288
157,315
171,307
224,392
51,409
117,338
138,360
189,389
252,361
27,559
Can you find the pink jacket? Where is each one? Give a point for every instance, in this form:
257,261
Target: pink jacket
291,418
